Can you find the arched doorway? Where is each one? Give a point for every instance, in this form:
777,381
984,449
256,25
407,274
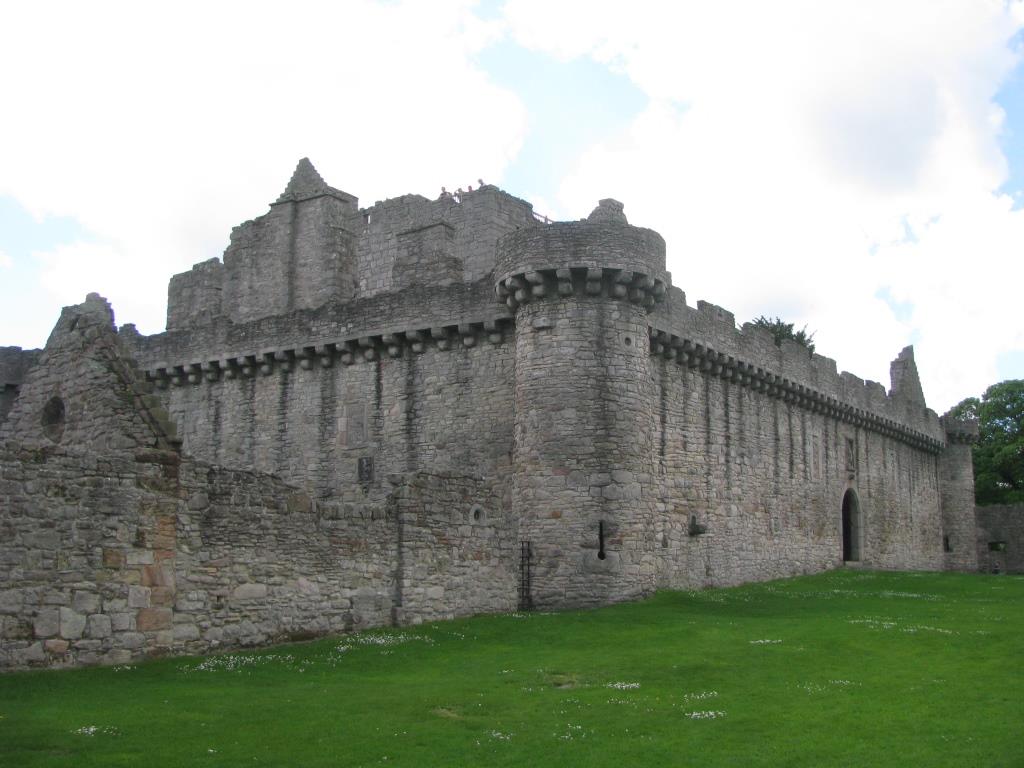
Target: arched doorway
851,527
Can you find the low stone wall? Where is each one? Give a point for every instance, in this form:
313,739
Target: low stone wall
115,558
1001,538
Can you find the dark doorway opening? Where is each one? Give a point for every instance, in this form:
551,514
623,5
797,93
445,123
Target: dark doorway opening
851,527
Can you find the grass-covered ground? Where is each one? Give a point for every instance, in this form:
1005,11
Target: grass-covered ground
849,668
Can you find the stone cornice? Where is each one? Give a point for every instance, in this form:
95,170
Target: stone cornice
362,346
607,282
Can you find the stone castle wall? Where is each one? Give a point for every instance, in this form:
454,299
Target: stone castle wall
364,417
115,558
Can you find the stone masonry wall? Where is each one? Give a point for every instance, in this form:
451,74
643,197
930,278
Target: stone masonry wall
1000,538
14,364
752,486
457,548
442,409
86,574
115,558
377,407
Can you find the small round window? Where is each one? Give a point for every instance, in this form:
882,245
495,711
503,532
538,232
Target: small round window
53,419
476,512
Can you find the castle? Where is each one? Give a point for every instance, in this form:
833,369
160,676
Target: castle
430,408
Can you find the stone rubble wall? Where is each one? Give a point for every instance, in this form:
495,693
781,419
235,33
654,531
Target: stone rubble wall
14,364
111,559
1000,538
87,568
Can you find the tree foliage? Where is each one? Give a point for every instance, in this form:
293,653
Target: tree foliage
999,452
781,330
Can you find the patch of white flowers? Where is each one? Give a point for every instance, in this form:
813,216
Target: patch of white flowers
700,696
92,730
623,686
706,714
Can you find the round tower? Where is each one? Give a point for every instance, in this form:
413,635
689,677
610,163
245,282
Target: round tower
583,484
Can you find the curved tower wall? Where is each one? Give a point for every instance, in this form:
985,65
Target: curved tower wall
583,487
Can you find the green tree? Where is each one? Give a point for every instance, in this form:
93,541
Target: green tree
780,330
999,452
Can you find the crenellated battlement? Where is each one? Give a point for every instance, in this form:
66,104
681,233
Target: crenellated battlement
706,338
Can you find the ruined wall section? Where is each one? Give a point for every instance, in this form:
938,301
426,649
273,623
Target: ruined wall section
316,247
297,256
14,364
410,240
85,388
1000,538
956,495
88,555
195,297
259,561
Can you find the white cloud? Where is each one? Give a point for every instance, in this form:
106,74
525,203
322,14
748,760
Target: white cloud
801,157
6,262
160,127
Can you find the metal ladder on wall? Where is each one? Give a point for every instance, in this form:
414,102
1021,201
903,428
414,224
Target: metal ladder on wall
525,574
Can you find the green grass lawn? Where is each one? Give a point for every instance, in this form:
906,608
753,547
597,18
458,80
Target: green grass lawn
849,668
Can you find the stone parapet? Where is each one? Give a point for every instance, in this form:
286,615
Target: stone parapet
365,347
706,337
962,431
596,258
707,360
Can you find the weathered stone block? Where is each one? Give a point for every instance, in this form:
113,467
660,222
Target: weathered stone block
152,619
140,556
85,602
72,624
198,501
47,622
250,591
161,596
138,597
113,558
99,626
186,632
33,654
48,540
116,656
131,639
56,647
158,575
11,601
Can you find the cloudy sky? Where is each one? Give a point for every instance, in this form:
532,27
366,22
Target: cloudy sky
855,167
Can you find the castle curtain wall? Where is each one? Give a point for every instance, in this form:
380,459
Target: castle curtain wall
376,409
